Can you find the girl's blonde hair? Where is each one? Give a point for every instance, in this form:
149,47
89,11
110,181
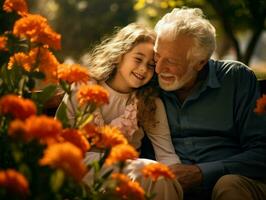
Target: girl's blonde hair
105,57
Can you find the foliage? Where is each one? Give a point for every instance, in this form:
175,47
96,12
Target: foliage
232,16
42,157
84,22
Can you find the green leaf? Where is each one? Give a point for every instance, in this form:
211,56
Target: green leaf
65,86
57,180
44,95
95,165
86,120
31,83
38,75
105,155
107,174
16,74
61,114
26,170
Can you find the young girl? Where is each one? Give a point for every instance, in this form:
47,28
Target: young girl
123,64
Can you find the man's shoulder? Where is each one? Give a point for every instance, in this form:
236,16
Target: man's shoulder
230,67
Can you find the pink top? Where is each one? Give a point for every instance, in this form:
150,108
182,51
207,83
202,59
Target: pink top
122,113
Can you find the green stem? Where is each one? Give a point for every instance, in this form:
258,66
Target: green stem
81,115
21,86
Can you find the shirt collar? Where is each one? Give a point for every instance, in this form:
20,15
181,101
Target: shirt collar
211,79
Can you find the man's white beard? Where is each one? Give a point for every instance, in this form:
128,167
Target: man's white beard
177,83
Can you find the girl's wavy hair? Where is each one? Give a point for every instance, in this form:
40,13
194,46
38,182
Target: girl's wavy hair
105,57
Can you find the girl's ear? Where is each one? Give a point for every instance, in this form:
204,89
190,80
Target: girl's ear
199,65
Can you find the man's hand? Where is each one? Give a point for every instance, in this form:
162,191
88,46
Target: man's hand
187,175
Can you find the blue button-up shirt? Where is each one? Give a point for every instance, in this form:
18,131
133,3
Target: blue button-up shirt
216,128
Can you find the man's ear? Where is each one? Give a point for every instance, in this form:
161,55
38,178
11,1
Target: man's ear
200,64
119,59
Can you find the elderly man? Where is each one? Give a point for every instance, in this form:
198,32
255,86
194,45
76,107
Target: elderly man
209,104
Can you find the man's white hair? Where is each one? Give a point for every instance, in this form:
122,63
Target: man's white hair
189,22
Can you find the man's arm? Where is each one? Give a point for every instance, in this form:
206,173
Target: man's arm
250,133
187,175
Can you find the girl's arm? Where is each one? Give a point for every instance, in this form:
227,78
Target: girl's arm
161,138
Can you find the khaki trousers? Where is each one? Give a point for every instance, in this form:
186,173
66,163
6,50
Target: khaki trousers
236,187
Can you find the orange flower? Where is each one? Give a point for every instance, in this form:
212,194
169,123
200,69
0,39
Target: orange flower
21,59
94,94
155,170
67,157
109,137
47,62
42,127
73,73
90,130
77,138
126,189
14,182
261,105
17,106
92,133
121,153
17,129
3,43
19,6
37,29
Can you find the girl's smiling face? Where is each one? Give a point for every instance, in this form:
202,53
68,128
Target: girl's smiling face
135,69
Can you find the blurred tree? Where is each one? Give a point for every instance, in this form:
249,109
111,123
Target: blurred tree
231,18
82,23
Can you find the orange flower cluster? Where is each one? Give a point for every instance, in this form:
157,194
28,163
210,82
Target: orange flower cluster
67,157
92,94
77,138
120,153
16,106
92,133
72,73
127,189
110,137
261,105
3,43
14,182
47,62
20,6
39,127
23,60
156,170
90,130
37,29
